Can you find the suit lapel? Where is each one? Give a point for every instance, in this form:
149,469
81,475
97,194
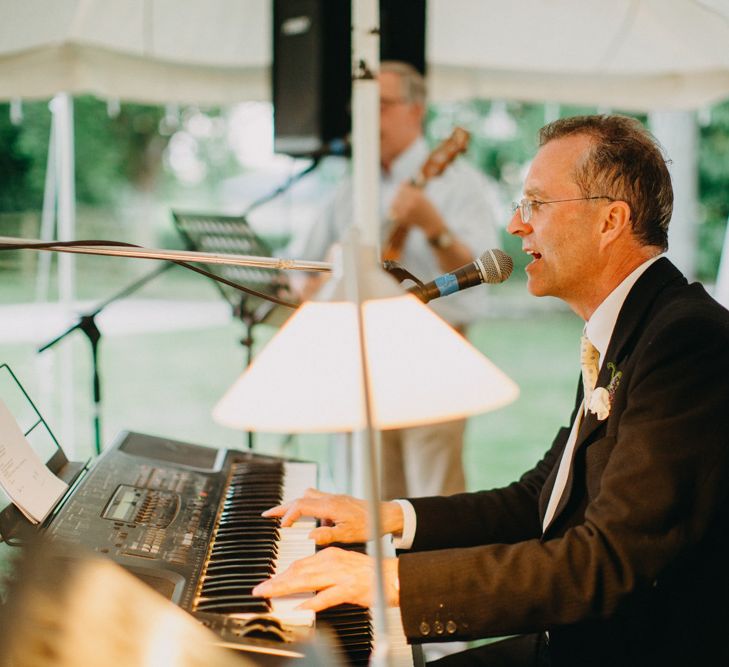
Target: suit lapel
634,311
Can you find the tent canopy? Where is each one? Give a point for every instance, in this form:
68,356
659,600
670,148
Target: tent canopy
631,54
156,51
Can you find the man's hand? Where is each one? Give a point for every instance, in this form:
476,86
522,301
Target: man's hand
412,208
337,575
345,518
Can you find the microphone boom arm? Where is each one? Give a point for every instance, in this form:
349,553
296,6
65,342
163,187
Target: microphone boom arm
98,248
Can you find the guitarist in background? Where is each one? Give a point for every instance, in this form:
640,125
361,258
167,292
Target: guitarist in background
448,223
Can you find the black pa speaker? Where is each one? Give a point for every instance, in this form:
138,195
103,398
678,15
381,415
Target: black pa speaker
311,73
402,32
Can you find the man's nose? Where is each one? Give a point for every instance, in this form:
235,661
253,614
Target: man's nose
516,226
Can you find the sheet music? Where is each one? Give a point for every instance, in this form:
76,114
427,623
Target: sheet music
32,487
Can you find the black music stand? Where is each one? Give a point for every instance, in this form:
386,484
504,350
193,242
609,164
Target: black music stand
87,325
14,526
232,235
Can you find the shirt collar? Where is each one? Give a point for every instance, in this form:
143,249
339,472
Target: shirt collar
599,328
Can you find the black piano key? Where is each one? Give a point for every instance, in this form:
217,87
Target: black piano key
229,542
243,503
230,598
231,585
245,570
253,606
259,532
232,575
248,555
242,562
245,529
230,549
231,580
353,629
246,521
236,585
231,509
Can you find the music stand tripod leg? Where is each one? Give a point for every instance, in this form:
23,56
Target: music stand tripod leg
248,320
88,326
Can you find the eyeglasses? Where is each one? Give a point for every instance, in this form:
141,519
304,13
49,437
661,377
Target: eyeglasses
386,103
527,206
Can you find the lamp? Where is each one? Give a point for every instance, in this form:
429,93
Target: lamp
311,376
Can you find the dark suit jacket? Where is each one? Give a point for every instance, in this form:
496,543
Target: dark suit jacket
634,569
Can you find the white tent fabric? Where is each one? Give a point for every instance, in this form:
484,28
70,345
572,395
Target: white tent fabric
204,52
630,54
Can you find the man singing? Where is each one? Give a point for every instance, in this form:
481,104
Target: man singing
613,549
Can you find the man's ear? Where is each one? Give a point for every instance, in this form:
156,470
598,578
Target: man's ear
615,221
418,111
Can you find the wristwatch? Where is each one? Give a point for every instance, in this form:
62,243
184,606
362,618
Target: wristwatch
443,241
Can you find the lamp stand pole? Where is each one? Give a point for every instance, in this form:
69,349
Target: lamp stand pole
366,179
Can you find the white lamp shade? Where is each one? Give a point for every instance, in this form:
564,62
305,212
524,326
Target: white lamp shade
309,377
421,371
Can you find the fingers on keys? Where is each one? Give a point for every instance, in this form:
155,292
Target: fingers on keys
325,535
338,576
310,504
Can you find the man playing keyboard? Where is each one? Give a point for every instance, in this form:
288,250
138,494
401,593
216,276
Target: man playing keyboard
613,549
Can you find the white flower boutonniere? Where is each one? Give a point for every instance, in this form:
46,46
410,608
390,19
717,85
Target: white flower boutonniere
601,399
600,403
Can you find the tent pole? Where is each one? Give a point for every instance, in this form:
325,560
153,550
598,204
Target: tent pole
62,107
678,133
48,216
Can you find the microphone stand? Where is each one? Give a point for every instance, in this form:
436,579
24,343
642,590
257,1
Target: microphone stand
399,272
87,325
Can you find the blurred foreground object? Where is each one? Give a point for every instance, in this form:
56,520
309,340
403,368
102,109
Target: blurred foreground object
66,608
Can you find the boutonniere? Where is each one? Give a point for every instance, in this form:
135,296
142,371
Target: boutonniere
601,399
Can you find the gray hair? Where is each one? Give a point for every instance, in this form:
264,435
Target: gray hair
412,82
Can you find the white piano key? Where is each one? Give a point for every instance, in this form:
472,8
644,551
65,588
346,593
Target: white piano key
298,477
294,545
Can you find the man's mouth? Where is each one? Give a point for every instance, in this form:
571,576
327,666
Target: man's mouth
533,254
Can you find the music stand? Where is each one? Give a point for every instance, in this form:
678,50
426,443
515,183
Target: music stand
14,527
231,234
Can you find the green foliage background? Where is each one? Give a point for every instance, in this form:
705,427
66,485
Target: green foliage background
110,152
713,188
125,152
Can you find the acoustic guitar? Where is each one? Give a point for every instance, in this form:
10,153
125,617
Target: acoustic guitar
435,165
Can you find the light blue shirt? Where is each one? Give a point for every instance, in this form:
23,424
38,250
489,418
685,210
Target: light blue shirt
465,198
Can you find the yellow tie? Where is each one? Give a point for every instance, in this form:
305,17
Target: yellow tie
589,357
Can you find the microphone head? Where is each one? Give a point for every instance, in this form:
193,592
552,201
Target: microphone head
497,266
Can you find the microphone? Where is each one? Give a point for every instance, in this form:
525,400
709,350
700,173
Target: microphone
493,266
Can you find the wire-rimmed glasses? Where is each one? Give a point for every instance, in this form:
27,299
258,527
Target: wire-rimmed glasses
526,206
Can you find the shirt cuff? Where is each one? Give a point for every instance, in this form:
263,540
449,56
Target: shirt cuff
409,524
